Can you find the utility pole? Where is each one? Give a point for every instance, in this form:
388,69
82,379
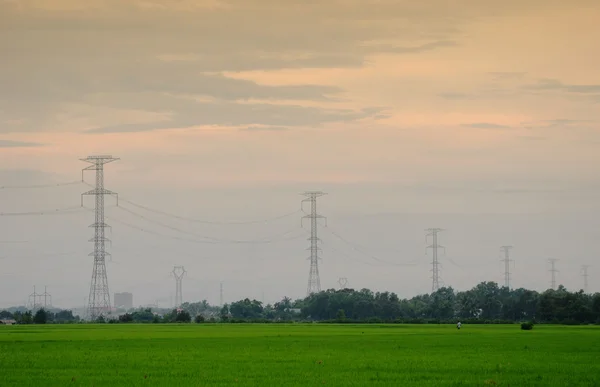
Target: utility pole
99,299
433,233
506,261
221,295
584,274
553,271
343,282
178,273
314,282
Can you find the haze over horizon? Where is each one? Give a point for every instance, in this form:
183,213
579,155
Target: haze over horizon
481,118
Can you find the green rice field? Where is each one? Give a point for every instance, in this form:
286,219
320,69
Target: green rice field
298,355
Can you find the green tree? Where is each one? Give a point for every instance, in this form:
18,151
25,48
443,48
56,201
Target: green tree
41,317
6,315
341,315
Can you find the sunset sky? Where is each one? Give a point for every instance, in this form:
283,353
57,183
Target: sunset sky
466,115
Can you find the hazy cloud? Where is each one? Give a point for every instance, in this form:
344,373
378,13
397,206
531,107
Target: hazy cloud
553,84
17,144
265,128
485,125
413,49
188,113
456,96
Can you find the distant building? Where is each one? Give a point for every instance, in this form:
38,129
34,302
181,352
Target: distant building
8,322
123,300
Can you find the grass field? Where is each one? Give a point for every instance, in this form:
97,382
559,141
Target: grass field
298,355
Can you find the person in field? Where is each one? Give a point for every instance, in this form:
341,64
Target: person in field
458,325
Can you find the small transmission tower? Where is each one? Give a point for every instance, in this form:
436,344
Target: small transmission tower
33,300
584,274
314,282
99,299
343,282
553,272
433,233
178,273
506,260
221,295
47,298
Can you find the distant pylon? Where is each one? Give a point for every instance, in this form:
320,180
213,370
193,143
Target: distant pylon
314,282
35,305
584,274
343,282
506,261
221,295
553,272
47,298
99,299
178,273
435,277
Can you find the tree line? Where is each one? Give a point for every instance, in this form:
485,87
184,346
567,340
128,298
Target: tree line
485,303
40,316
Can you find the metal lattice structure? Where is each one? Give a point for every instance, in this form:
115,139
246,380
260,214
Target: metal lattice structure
506,260
343,282
99,298
434,246
178,272
314,282
584,274
553,272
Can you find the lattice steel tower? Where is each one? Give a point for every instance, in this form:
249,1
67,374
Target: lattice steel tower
506,261
178,273
584,274
99,298
435,277
553,271
314,282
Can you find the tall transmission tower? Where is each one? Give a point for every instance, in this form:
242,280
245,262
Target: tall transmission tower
47,298
553,272
584,274
343,282
221,294
99,299
506,260
33,300
314,282
178,273
434,246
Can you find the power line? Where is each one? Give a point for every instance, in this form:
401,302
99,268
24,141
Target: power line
76,182
55,211
161,212
506,261
314,282
99,298
433,232
207,239
553,272
360,249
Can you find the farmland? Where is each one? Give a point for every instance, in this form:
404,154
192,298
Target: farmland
288,355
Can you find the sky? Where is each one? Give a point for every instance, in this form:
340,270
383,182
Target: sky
479,117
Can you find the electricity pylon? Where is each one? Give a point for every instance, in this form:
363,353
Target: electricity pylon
99,299
314,282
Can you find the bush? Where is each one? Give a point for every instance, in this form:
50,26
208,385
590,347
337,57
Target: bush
527,326
199,319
